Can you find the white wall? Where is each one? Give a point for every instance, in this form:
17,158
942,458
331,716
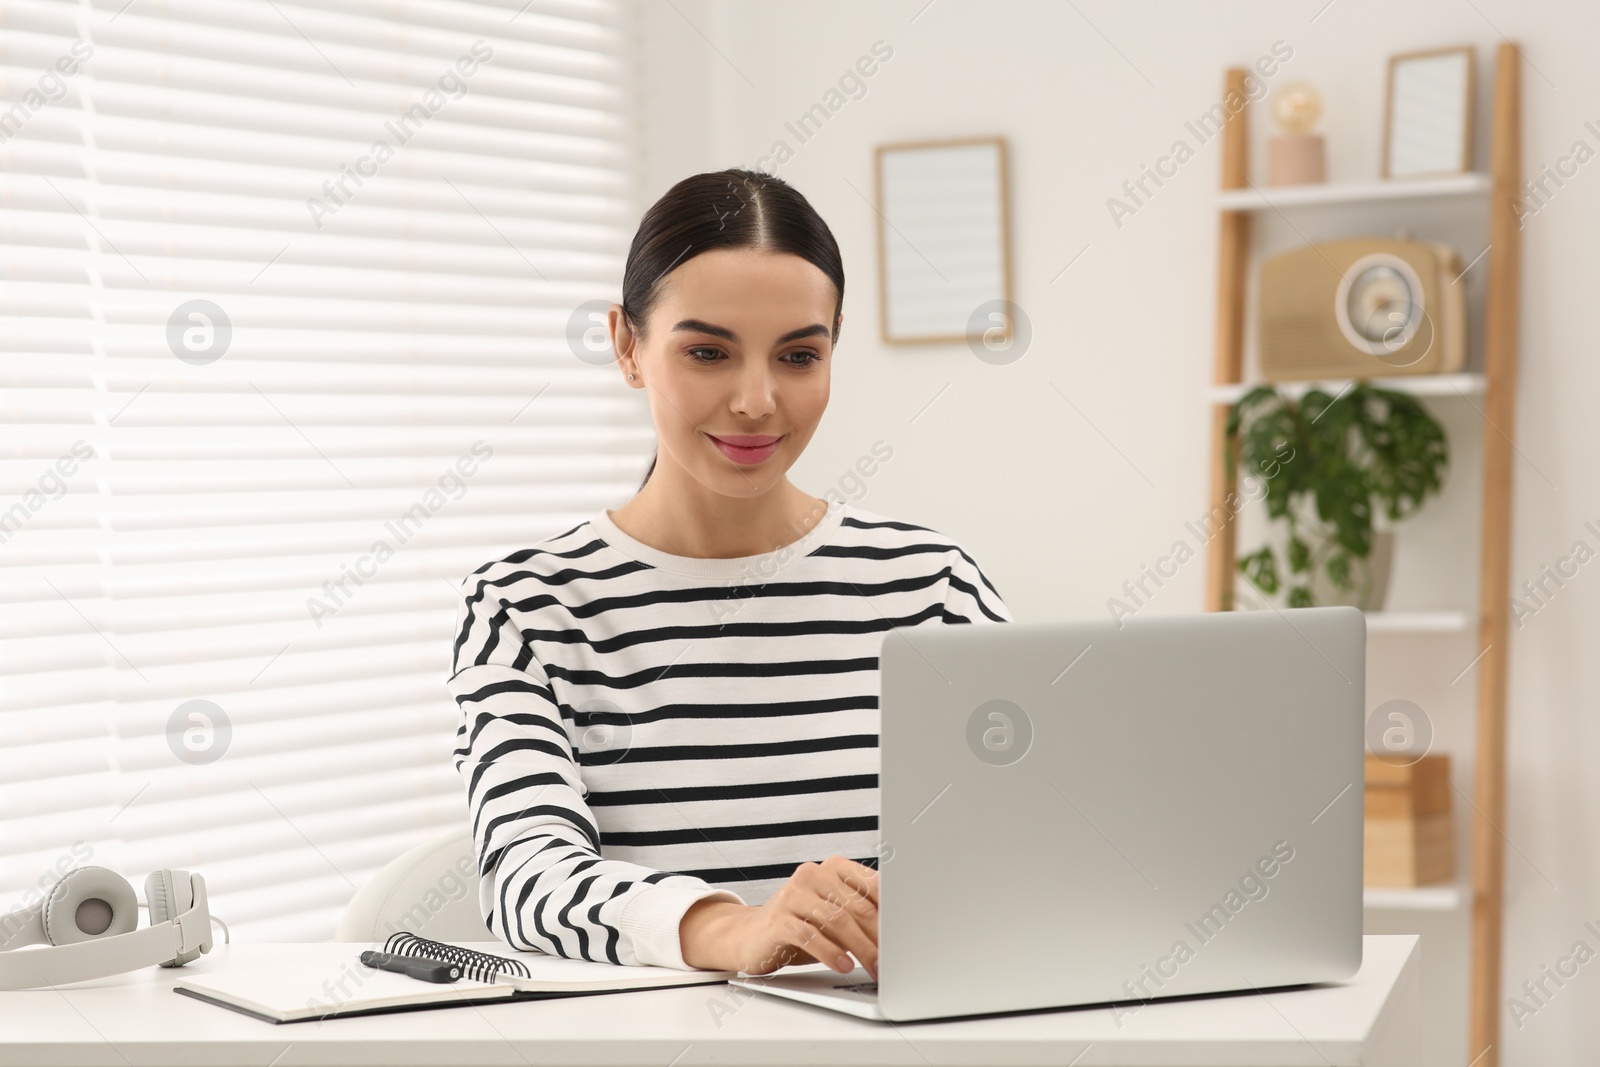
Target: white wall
1060,507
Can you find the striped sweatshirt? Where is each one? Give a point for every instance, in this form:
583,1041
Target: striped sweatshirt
639,730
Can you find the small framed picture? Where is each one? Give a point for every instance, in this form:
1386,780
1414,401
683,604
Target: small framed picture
943,246
1428,116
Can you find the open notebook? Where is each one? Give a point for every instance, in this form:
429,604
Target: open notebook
330,981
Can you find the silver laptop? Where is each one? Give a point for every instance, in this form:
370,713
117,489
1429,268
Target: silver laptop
1085,813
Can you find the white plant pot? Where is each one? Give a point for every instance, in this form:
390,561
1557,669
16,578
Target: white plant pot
1371,578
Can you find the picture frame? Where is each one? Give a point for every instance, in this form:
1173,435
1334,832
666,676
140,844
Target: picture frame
1430,105
943,238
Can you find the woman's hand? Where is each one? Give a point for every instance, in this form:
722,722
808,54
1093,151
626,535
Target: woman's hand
824,913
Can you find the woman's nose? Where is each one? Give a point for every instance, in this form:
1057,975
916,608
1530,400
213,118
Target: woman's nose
754,393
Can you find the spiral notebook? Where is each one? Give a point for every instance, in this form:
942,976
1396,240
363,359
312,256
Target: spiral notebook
330,981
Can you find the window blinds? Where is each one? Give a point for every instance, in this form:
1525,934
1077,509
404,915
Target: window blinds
290,342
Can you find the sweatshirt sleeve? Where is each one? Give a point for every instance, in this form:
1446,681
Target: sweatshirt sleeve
969,595
542,882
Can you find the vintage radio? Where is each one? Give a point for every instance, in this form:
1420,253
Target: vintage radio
1361,308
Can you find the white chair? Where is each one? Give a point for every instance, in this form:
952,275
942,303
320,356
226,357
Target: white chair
431,891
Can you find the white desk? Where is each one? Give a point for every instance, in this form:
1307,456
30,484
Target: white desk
1372,1020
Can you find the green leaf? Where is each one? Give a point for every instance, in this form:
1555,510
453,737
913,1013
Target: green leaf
1338,569
1261,567
1300,597
1299,555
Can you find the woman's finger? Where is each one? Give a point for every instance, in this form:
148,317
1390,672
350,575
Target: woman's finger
866,916
784,955
845,927
856,884
822,947
865,880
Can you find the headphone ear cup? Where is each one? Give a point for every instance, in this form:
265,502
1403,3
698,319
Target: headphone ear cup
89,903
170,894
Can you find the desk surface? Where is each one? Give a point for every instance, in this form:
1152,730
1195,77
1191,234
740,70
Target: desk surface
136,1018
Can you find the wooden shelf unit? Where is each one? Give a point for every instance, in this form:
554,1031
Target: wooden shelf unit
1239,200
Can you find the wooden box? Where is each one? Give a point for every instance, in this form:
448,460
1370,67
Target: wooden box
1408,837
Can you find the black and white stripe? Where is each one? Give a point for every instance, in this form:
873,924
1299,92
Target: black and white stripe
640,730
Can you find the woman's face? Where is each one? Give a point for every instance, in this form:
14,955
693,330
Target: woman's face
735,361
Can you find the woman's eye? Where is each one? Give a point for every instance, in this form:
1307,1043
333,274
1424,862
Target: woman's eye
802,358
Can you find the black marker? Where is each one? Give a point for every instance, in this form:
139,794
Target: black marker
421,967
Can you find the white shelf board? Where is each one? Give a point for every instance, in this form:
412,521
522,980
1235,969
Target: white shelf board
1259,198
1415,384
1446,896
1417,622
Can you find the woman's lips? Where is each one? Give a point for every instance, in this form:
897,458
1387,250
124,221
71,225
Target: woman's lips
745,449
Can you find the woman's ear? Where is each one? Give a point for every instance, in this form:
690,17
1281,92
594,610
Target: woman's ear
623,344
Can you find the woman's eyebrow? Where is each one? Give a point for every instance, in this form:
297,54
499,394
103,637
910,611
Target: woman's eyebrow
697,326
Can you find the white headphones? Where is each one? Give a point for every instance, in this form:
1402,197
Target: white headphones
90,917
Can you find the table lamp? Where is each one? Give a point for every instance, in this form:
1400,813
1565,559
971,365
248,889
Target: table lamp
1296,156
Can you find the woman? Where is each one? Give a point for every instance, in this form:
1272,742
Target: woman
669,720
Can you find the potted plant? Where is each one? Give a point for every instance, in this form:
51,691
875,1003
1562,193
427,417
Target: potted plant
1346,454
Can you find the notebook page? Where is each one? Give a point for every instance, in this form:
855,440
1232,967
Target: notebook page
320,985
